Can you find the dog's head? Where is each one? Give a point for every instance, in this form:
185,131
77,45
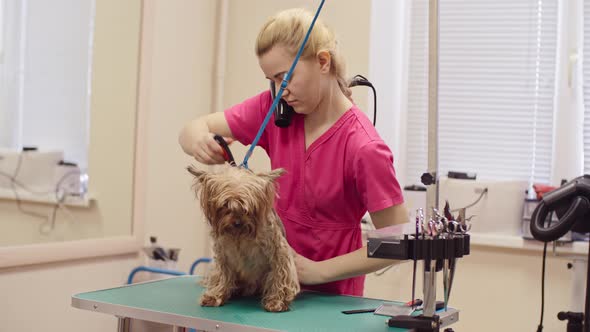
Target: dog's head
236,201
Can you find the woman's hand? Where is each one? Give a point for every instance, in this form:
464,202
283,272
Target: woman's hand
309,272
196,140
206,150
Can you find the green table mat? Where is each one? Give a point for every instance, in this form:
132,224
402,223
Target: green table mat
310,312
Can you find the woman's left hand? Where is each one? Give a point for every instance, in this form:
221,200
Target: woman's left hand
309,272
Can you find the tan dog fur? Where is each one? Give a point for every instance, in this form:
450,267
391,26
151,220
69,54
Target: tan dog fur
251,254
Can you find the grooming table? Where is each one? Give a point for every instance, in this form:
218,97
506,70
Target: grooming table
174,301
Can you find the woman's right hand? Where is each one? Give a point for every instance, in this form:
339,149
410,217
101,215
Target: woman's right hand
197,141
206,150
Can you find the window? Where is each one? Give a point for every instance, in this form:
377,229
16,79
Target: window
45,63
496,88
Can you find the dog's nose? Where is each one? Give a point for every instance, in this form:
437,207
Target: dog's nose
237,223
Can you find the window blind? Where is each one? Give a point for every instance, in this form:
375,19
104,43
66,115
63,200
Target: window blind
45,75
496,86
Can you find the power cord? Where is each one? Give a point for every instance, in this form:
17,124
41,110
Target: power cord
15,192
49,224
382,271
485,191
540,327
361,80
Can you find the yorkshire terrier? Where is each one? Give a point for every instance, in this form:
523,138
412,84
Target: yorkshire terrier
251,253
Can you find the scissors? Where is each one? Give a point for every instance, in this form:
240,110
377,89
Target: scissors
226,151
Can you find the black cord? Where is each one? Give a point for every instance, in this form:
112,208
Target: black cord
31,191
540,327
49,219
24,187
361,80
15,192
59,201
374,106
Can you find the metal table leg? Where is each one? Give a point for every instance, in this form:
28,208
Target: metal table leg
123,325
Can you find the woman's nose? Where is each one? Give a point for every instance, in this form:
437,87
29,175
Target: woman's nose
285,93
278,87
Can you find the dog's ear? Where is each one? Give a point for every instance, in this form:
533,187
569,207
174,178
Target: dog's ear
201,178
270,187
199,175
272,175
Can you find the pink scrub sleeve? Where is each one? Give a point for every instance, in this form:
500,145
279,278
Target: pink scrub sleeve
373,164
244,119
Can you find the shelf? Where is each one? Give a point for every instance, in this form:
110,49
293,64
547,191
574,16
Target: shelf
8,194
516,242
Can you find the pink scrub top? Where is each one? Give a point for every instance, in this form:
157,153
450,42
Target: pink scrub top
327,188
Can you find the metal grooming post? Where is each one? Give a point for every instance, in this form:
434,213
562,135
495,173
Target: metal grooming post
433,37
429,286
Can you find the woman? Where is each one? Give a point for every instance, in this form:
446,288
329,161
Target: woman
338,167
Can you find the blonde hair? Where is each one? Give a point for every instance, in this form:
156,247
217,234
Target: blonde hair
289,27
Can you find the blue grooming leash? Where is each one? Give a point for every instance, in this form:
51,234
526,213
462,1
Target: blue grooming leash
280,93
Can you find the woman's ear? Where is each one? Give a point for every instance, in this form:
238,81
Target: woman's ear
325,61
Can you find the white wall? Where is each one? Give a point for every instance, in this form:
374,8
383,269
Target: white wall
179,61
37,298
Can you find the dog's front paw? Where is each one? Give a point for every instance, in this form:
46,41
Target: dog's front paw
275,306
211,301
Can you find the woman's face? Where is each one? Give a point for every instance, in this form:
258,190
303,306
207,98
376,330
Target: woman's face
304,90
